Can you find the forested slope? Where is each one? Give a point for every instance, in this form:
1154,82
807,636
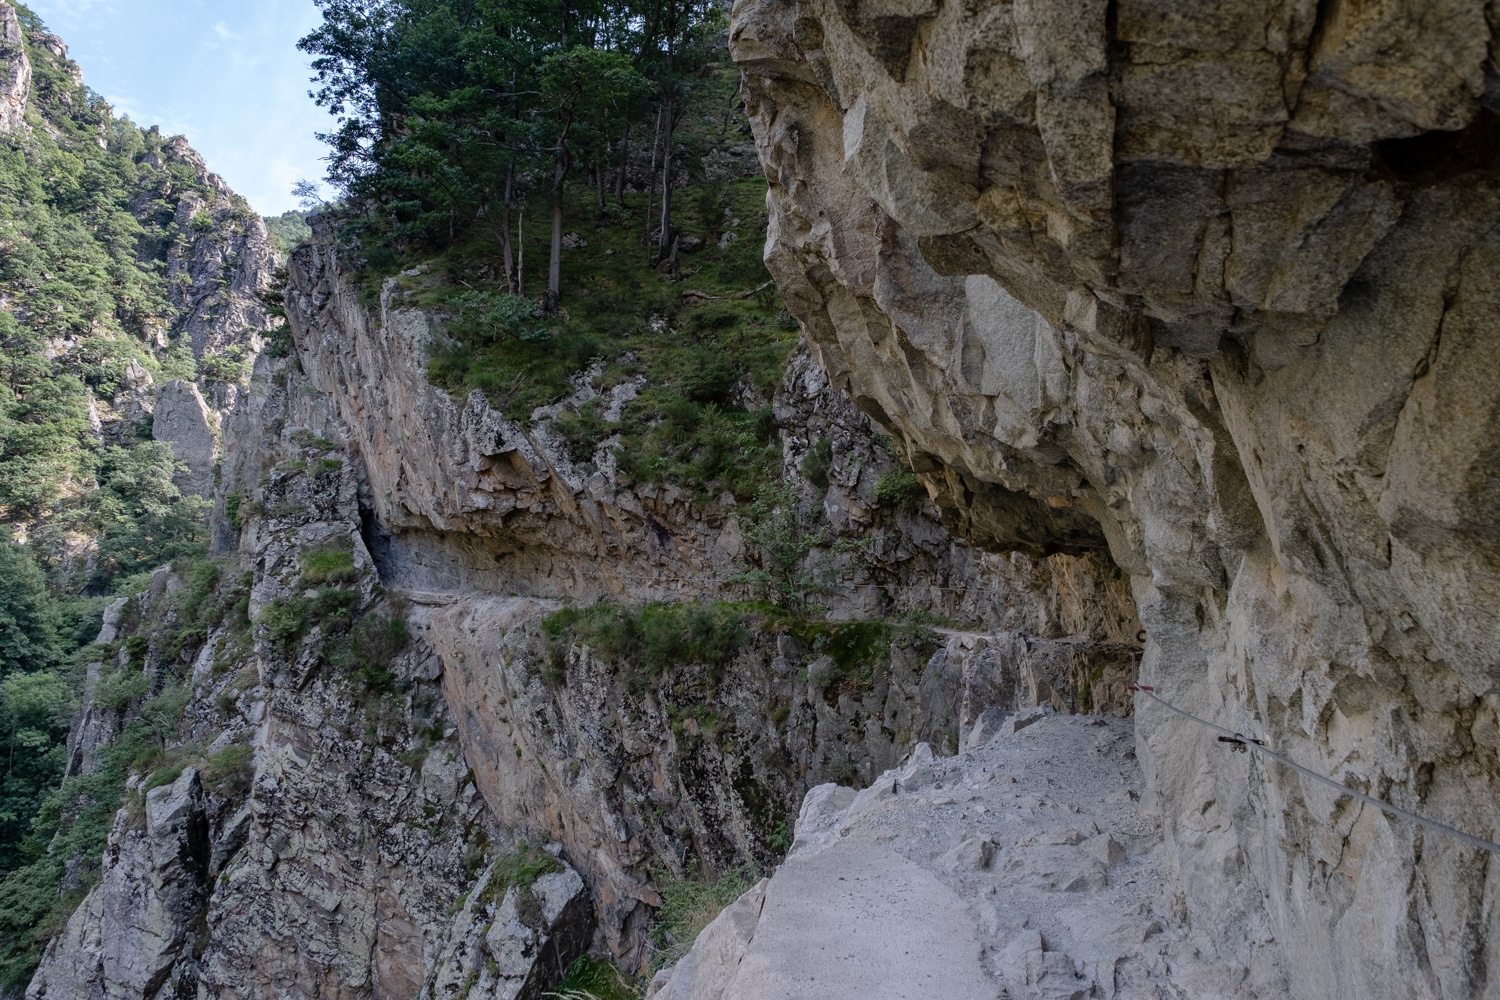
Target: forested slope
125,265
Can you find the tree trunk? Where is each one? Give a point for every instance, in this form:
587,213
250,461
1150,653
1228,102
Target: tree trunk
665,243
651,183
554,267
505,243
624,162
521,249
599,179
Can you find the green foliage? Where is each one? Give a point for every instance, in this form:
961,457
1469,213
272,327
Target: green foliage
521,868
228,772
818,462
653,638
287,621
141,517
118,688
87,219
688,906
35,711
595,979
329,563
900,490
456,118
584,430
28,615
783,534
857,648
287,230
367,652
231,366
232,504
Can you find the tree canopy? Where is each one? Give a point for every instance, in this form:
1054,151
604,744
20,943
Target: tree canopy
454,113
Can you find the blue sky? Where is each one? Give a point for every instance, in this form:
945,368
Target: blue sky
225,73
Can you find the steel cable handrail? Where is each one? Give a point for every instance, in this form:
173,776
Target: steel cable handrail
1381,804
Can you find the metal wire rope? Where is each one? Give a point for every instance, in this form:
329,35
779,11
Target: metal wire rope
1381,804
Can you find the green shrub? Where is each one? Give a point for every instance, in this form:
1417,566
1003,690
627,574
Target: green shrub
900,490
818,462
284,623
369,649
654,638
520,867
783,536
330,562
228,772
163,776
116,689
584,431
688,906
594,979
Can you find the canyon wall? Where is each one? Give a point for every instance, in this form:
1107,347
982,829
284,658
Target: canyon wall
350,856
1209,288
487,527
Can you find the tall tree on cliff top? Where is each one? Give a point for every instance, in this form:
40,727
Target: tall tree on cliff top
586,90
451,111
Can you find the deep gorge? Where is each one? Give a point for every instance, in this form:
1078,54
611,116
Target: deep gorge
1110,344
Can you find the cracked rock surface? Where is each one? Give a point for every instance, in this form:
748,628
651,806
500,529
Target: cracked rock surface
1020,868
1210,288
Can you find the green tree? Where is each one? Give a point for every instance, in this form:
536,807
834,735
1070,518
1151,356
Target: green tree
28,618
585,89
143,520
35,710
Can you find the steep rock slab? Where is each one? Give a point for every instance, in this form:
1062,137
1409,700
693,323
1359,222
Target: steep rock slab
860,921
184,420
131,933
15,72
1210,289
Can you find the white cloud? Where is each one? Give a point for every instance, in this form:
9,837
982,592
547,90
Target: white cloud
225,73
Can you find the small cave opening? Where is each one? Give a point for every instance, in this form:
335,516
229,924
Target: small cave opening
1437,157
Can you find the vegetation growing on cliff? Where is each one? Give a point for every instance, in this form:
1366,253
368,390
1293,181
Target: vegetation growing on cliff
688,906
478,137
53,831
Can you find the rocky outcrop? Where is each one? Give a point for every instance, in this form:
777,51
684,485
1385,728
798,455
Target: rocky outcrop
183,419
222,265
1206,287
132,933
514,944
15,72
1018,869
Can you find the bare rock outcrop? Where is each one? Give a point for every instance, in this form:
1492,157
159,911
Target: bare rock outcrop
1210,288
184,419
1017,869
131,933
15,72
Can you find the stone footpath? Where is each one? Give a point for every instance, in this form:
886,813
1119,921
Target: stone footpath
1022,867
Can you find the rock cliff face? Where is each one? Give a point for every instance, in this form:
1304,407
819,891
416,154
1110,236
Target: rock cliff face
15,72
358,856
486,526
1208,287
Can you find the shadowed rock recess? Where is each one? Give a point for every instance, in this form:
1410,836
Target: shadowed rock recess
1212,288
